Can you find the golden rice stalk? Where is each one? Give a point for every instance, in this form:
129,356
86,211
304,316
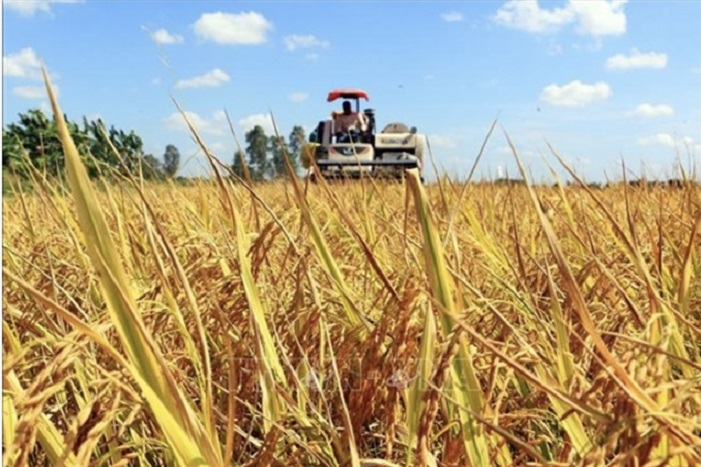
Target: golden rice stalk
424,369
185,434
464,379
9,425
48,435
353,314
624,381
684,296
246,171
467,184
364,245
271,372
565,370
636,257
347,424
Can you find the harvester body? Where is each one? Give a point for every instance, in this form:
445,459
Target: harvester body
362,151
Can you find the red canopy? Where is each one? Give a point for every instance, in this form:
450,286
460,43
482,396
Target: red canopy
347,94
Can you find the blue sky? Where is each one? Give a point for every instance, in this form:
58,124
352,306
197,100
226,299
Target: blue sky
601,80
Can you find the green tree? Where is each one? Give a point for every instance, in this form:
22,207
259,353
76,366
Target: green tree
171,160
129,148
36,134
98,144
11,149
296,140
277,165
257,151
152,168
237,166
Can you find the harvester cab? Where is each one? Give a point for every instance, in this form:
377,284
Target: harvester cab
348,145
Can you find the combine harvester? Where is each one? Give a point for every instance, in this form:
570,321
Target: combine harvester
335,152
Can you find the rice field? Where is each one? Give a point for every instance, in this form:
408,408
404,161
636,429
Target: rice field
350,324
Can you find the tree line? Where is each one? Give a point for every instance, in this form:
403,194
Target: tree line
264,154
33,139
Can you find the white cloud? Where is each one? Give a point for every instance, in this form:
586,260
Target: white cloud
664,139
24,64
298,97
637,60
527,15
163,37
231,28
575,93
452,16
219,116
264,120
599,18
217,146
214,78
29,7
176,122
649,110
593,17
295,41
32,92
442,141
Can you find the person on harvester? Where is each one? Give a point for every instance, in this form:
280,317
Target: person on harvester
348,121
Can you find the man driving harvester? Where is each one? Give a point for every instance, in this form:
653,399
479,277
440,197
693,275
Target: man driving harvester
348,121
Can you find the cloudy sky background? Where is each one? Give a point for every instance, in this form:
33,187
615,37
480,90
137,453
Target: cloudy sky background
601,80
